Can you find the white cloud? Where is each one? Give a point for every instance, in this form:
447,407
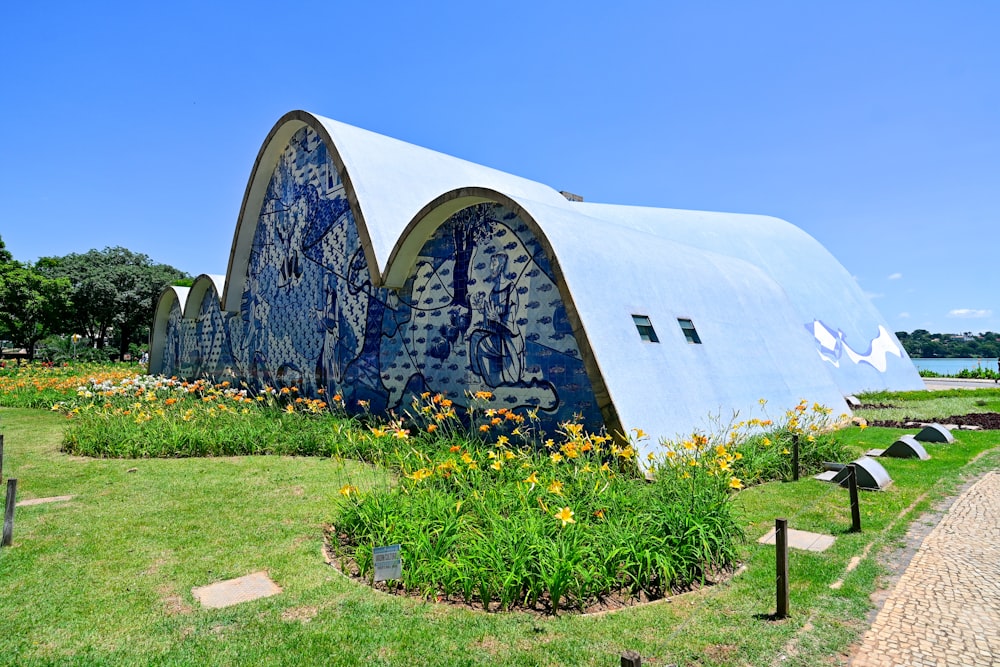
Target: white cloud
969,313
904,315
874,295
895,276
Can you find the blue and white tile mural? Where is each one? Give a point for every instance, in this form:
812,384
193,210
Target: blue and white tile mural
480,312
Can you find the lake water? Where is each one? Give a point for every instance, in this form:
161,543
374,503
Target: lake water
953,366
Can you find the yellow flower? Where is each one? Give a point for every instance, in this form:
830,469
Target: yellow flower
467,458
377,432
484,395
289,408
532,479
565,515
767,442
401,433
735,483
419,475
431,428
784,451
347,489
496,465
556,487
556,457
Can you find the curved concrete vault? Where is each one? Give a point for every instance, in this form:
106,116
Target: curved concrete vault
376,269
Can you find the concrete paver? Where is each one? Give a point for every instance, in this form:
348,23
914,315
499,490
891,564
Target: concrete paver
43,501
945,608
801,539
234,591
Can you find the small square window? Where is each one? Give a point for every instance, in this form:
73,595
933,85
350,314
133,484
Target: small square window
645,328
690,333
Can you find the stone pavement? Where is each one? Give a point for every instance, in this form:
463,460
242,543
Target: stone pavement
945,608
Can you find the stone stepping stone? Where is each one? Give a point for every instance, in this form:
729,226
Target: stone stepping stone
802,539
234,591
42,501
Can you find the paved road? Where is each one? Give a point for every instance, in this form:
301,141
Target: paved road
944,610
959,383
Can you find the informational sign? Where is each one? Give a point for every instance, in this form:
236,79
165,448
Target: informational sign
388,564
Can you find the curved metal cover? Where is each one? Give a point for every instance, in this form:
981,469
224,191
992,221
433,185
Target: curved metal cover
871,475
935,433
906,447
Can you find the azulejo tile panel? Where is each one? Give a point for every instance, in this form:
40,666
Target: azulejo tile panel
481,310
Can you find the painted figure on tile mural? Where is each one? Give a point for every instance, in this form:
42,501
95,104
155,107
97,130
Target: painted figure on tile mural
496,348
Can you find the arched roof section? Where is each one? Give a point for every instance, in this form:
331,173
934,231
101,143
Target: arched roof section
202,284
606,273
172,294
387,182
816,283
403,256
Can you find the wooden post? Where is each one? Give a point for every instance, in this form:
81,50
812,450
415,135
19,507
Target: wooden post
8,515
1,457
795,457
631,659
852,485
781,566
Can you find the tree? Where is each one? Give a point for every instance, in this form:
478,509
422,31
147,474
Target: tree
114,292
32,305
5,256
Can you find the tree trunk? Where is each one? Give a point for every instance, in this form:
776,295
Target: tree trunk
126,335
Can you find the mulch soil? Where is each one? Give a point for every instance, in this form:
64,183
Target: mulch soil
986,421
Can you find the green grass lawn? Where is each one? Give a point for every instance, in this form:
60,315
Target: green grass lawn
106,578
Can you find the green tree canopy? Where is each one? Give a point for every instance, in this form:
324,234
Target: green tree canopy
32,305
5,256
924,344
113,292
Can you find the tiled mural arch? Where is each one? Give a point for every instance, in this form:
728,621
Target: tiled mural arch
480,310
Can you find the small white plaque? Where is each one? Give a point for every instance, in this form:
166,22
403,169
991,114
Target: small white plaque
388,564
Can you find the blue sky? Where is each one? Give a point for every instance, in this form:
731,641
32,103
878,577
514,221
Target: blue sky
871,125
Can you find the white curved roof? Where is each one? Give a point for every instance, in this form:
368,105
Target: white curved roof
752,284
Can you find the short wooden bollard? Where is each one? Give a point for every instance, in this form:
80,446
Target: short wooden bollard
631,659
1,457
8,514
795,457
781,566
852,485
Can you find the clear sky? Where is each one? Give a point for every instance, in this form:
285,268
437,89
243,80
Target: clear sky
874,126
